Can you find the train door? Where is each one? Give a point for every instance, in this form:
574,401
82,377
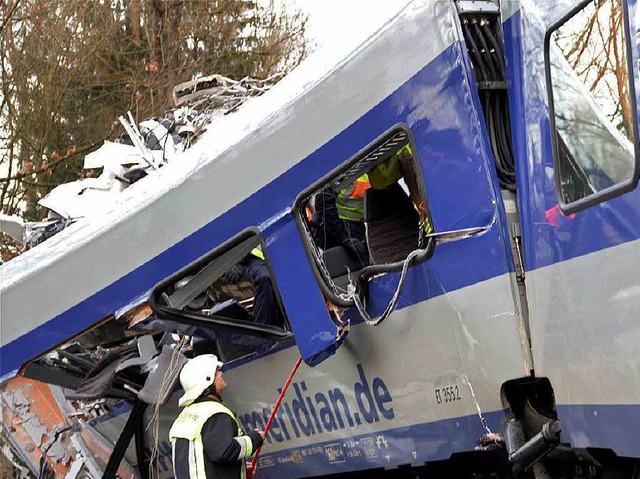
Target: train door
574,72
434,367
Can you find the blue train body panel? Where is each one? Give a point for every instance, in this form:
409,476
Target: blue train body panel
465,325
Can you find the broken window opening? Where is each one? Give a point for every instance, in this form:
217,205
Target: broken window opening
366,217
227,301
108,362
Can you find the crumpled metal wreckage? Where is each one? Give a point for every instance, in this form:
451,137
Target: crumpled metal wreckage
143,148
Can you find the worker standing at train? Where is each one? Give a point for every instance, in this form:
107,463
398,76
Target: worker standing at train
350,208
339,219
206,438
265,309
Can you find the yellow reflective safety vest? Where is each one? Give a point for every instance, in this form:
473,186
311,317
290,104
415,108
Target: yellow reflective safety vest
389,171
188,425
350,200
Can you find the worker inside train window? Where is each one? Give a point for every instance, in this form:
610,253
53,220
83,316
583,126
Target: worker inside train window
227,299
371,211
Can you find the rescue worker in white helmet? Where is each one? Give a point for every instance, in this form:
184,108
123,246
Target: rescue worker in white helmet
206,438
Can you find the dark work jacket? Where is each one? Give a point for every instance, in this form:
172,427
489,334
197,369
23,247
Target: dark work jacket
220,449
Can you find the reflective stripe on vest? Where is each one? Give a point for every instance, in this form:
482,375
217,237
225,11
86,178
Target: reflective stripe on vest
257,252
350,201
188,425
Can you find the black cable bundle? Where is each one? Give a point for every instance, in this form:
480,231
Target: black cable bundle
489,67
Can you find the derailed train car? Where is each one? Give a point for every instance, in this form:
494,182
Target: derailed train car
502,341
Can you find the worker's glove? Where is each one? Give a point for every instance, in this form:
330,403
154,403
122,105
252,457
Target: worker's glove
358,248
234,275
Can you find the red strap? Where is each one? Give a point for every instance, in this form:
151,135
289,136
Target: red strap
254,464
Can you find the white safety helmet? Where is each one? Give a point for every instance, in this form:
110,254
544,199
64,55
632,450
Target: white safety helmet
196,376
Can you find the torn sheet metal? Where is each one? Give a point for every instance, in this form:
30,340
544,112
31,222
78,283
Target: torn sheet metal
61,450
14,226
30,233
81,451
21,408
143,148
146,146
111,155
85,197
30,416
133,307
134,315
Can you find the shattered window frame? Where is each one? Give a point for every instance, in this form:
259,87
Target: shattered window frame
376,152
220,322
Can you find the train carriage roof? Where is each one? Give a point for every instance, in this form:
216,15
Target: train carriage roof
237,156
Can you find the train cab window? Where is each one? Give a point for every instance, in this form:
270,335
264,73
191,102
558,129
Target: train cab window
227,301
369,214
592,104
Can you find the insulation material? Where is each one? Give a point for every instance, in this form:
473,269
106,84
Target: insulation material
19,405
30,416
61,450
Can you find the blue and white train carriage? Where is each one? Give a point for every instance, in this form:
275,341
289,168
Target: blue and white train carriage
517,316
